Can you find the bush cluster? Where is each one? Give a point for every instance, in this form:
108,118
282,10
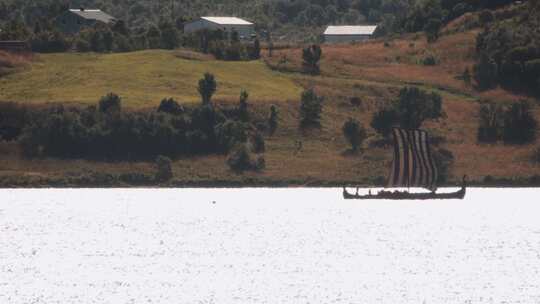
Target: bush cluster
409,111
107,132
514,124
222,45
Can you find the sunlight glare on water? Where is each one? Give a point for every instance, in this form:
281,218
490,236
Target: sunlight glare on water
266,246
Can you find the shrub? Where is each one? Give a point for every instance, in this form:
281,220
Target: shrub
13,118
355,101
354,133
490,116
240,160
429,60
256,50
137,179
50,42
257,143
273,120
432,29
310,109
234,52
536,155
164,170
229,134
532,69
384,120
311,57
466,76
207,88
485,17
169,36
82,45
111,103
519,124
444,160
485,72
169,105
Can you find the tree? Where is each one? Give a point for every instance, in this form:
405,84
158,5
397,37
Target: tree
466,76
384,120
519,124
432,29
444,160
490,122
108,40
273,120
153,36
169,36
164,169
311,57
415,106
110,104
243,113
207,88
485,72
354,133
310,108
256,51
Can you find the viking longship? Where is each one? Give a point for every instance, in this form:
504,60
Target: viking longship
412,167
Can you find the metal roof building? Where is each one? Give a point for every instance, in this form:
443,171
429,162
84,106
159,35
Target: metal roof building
74,20
245,29
93,14
347,33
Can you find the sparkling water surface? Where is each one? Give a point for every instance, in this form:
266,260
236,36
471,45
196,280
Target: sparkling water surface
266,246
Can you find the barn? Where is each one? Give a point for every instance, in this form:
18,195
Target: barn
348,33
245,29
74,20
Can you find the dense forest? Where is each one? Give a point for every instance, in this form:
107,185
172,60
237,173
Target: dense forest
283,18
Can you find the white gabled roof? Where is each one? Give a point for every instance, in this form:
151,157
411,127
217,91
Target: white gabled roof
227,20
350,30
93,14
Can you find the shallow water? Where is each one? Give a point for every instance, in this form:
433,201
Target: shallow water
266,246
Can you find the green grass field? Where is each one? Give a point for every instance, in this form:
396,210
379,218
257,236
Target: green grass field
140,78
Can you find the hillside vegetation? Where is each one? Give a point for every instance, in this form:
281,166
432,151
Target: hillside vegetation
356,81
141,78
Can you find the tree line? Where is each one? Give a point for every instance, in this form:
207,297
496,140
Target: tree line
159,24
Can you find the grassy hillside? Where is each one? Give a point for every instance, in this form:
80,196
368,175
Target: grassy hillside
141,78
373,71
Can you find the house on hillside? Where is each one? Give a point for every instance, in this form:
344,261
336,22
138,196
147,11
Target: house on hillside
245,29
348,33
74,20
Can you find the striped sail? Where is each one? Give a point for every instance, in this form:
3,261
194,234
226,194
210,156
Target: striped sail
413,165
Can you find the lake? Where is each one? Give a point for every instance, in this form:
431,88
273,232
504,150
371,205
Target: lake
266,246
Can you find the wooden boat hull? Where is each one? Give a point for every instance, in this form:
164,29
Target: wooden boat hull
460,194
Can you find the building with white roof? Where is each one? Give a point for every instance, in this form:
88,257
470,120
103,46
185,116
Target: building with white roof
245,29
73,20
348,33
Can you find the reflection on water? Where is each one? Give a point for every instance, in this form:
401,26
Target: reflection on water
266,246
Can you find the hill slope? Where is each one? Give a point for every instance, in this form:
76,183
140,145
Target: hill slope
141,78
